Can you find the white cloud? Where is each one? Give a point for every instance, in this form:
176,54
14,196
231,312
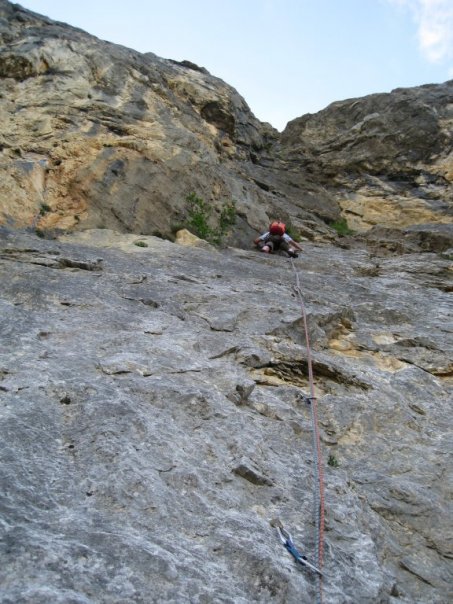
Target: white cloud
434,20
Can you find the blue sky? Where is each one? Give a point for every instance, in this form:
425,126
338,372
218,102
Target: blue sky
285,57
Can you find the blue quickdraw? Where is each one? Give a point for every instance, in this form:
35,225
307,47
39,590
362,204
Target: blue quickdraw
287,541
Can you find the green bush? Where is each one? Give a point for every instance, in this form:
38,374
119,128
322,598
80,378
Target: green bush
140,243
291,231
333,461
198,214
44,209
200,222
341,227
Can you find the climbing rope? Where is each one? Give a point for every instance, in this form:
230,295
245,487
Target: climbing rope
318,471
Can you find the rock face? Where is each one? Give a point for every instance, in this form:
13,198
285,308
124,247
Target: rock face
153,422
98,135
105,136
152,404
390,155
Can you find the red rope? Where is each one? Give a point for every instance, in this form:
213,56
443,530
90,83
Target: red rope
316,440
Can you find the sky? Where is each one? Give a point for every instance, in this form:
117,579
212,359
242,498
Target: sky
285,57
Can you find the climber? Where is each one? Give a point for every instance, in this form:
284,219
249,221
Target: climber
276,239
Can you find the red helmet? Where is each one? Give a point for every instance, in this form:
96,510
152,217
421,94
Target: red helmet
277,228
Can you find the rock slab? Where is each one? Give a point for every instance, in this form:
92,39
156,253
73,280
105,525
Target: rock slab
153,423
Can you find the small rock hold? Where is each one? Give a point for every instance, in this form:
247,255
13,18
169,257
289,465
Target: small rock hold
242,392
86,265
245,471
417,409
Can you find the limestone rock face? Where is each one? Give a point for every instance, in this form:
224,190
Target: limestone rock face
98,135
152,407
153,422
105,136
390,155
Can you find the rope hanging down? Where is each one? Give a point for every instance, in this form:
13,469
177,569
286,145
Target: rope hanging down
318,483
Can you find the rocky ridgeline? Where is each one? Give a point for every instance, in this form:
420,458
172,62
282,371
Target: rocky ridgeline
151,394
103,136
